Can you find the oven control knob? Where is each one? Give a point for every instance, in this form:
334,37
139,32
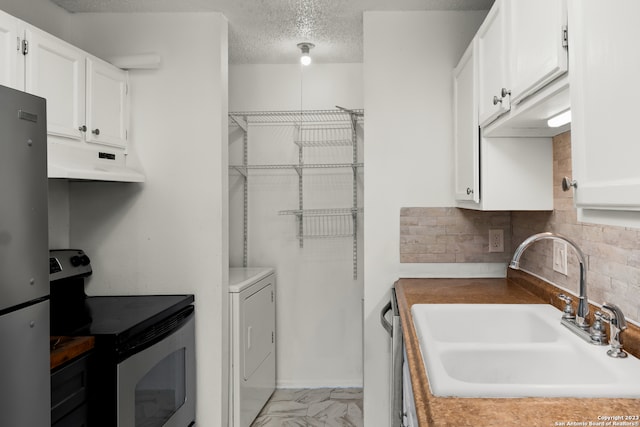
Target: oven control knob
75,260
84,260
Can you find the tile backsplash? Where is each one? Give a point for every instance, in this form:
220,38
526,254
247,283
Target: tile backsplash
433,235
451,235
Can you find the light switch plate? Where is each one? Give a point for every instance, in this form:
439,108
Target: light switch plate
560,257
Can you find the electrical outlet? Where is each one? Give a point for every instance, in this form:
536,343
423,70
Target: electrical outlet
560,257
496,240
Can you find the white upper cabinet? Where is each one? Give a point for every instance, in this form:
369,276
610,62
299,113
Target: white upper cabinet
523,67
10,51
466,131
87,98
495,173
493,79
538,45
604,60
106,104
516,174
55,70
87,102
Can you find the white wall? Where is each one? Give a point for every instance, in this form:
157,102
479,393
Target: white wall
408,63
170,234
283,87
319,305
59,223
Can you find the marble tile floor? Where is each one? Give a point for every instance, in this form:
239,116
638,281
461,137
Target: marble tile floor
318,407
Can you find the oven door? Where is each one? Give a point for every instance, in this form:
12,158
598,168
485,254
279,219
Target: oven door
157,386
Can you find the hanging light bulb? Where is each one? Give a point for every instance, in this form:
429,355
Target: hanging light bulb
305,58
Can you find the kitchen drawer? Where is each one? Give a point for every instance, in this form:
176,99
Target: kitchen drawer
69,391
77,418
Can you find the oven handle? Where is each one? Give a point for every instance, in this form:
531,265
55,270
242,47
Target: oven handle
155,333
385,323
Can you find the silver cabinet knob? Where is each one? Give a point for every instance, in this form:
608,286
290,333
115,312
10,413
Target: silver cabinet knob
469,191
496,100
96,132
83,128
567,183
504,92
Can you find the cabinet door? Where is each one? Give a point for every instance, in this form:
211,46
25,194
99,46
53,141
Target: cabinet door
10,52
466,147
538,52
492,65
55,71
106,103
604,62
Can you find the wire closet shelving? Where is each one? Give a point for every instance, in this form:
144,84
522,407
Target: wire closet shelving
314,129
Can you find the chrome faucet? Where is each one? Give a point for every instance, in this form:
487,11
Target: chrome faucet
580,324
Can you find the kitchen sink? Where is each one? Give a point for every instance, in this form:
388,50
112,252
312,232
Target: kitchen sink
487,323
515,350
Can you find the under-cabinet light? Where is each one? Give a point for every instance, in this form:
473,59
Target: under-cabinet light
305,58
560,120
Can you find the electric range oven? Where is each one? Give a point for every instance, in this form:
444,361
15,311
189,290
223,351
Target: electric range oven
142,372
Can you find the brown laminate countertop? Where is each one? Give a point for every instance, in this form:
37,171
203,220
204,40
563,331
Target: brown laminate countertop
452,411
63,349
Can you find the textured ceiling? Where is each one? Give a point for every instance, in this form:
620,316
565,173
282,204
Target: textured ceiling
267,31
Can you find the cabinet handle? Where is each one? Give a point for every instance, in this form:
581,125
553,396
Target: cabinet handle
469,191
96,132
496,100
504,92
83,128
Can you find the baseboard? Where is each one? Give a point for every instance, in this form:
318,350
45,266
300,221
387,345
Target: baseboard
325,383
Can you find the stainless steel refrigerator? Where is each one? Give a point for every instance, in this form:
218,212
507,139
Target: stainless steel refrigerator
25,395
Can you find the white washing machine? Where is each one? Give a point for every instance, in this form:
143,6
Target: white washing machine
253,342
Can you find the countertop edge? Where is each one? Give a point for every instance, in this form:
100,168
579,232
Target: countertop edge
69,348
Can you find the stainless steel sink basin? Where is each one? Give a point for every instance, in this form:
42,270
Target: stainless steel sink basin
515,350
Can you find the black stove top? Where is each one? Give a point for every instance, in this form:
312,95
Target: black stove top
113,320
131,314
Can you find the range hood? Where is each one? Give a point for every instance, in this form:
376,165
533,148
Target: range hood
92,162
